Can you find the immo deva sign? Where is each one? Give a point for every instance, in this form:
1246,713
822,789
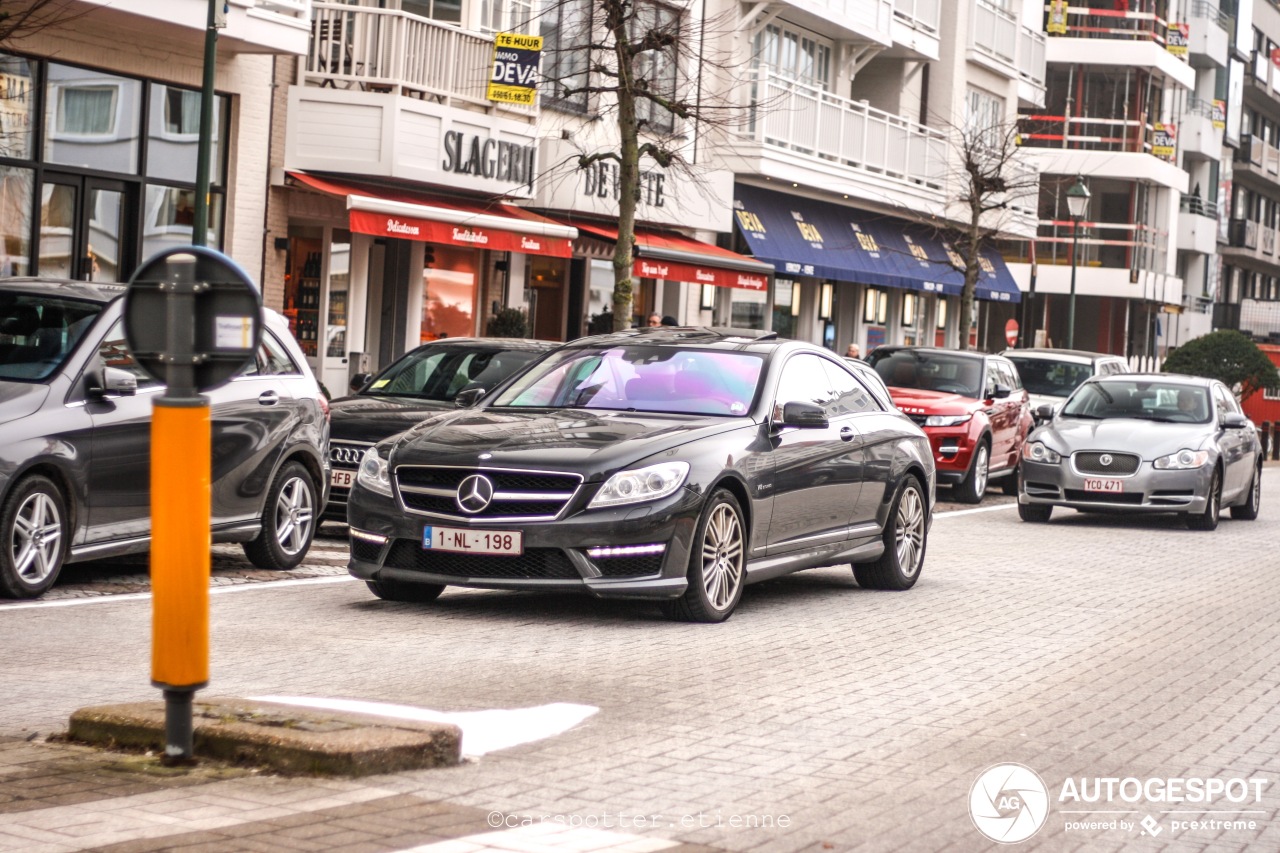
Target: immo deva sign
515,68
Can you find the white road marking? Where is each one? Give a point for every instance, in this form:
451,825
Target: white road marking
145,596
482,731
553,834
954,512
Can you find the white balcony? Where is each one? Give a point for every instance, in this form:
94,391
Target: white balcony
1031,67
1197,226
1198,138
1207,40
915,27
253,26
860,20
357,48
993,37
804,135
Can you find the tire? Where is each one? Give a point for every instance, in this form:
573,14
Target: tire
33,538
717,563
289,520
1009,483
1208,520
974,486
1038,513
1248,511
905,540
389,590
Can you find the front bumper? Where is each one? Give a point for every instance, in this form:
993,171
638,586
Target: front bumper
952,449
1147,490
555,553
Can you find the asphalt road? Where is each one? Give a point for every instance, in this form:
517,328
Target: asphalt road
1088,648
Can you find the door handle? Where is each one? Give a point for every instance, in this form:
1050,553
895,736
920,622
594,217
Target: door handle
847,433
268,398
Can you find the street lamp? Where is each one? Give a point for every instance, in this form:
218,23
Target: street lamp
1077,205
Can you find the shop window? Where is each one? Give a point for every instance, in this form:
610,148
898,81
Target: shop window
92,119
87,110
449,293
170,215
16,102
747,309
173,134
786,305
16,186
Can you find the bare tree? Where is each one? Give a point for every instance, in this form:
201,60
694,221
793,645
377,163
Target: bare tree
642,63
21,19
991,180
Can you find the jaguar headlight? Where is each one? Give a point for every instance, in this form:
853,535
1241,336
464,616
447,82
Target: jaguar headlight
374,473
1183,460
1038,451
641,484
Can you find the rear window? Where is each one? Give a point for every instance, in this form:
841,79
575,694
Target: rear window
930,371
1050,377
38,332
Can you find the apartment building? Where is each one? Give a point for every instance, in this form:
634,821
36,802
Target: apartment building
98,150
1135,109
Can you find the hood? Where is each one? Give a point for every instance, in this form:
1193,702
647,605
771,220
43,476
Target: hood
1148,439
1038,400
19,399
916,401
587,442
373,418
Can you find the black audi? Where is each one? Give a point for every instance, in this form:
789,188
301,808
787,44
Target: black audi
421,383
676,464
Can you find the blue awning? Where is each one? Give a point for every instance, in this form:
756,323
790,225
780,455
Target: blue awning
801,236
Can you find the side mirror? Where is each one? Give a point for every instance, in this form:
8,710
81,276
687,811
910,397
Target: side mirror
115,382
1234,420
999,392
359,381
468,398
1044,412
804,415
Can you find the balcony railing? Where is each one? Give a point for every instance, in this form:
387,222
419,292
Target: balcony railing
871,16
386,50
995,31
1031,56
1205,9
810,121
1193,204
1110,245
919,14
1100,19
1087,134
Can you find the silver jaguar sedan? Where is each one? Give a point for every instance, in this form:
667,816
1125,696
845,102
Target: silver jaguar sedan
1145,443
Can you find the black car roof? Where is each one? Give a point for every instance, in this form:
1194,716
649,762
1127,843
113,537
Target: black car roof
1075,353
94,291
940,350
526,344
685,336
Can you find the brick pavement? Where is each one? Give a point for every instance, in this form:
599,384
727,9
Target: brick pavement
1090,646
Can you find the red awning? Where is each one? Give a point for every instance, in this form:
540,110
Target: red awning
413,215
675,257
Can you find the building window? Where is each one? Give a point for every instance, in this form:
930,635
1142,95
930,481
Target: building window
793,56
181,111
87,110
983,117
657,67
173,134
506,16
449,11
566,30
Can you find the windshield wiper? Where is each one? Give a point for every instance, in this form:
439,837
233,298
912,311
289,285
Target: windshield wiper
1084,417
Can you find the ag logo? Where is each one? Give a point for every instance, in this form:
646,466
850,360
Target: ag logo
1008,803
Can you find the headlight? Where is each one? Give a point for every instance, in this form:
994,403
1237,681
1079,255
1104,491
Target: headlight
1182,460
373,473
946,420
641,484
1038,451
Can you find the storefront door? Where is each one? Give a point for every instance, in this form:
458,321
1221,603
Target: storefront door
84,232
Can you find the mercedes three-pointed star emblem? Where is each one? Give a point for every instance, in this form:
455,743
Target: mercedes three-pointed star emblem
474,493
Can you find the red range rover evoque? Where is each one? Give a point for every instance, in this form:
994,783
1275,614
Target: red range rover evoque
971,405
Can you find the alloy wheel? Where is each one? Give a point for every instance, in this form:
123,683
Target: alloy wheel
36,538
909,532
295,514
722,557
981,466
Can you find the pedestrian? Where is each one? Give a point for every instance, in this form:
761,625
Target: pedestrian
668,320
655,319
854,351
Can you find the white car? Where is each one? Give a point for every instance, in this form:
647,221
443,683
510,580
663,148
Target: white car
1050,375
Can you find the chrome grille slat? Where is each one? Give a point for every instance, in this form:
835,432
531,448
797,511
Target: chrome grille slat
432,490
1090,462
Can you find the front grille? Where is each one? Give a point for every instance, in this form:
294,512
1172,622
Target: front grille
365,552
629,567
1121,464
346,454
534,563
1081,496
516,494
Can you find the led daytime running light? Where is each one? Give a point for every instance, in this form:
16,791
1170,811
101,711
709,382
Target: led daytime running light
625,550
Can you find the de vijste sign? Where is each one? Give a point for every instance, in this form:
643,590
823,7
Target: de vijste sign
515,68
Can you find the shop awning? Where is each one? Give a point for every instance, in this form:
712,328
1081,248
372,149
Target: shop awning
675,257
429,218
801,236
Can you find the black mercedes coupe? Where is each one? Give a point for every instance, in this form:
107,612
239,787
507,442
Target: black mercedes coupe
676,464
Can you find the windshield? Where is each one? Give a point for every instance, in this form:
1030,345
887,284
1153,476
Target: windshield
38,332
640,378
439,373
931,371
1148,400
1049,377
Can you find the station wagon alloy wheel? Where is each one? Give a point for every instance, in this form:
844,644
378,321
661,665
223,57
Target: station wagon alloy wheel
34,523
288,520
294,516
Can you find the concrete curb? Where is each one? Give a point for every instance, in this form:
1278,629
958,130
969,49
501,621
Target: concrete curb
282,738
